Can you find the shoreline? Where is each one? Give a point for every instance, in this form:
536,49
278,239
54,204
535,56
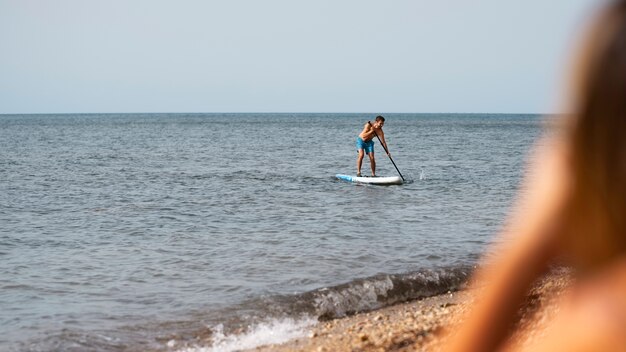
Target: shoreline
421,324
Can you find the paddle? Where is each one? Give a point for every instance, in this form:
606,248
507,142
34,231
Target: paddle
387,151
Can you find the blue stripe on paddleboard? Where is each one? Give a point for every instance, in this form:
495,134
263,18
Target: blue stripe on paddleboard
344,177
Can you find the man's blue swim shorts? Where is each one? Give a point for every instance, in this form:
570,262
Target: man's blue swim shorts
367,146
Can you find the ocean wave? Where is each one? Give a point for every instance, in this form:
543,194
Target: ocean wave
294,314
271,319
384,290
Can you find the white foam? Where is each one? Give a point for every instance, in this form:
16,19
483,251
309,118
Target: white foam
273,332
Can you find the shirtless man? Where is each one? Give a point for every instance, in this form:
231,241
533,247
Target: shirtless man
365,143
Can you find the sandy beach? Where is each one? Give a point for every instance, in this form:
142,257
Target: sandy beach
421,325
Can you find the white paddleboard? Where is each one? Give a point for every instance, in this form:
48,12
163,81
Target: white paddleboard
385,180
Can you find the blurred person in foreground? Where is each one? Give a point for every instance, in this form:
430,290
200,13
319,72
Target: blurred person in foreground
573,210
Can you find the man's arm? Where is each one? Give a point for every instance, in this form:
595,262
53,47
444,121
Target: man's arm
532,238
381,135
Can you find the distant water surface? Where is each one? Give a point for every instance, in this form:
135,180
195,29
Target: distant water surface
156,231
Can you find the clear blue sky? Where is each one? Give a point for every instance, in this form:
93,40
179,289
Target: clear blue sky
70,56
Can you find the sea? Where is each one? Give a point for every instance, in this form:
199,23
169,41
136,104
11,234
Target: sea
221,232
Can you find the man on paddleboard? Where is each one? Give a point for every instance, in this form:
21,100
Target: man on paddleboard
365,143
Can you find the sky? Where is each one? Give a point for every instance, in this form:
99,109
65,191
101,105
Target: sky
415,56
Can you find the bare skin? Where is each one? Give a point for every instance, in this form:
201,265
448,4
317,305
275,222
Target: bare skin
369,132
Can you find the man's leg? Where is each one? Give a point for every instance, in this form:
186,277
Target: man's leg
359,162
372,163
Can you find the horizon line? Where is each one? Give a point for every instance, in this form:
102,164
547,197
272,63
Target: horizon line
276,112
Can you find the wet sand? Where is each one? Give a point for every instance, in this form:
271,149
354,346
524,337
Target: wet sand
421,325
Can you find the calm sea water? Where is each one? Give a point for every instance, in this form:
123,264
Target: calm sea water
170,231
